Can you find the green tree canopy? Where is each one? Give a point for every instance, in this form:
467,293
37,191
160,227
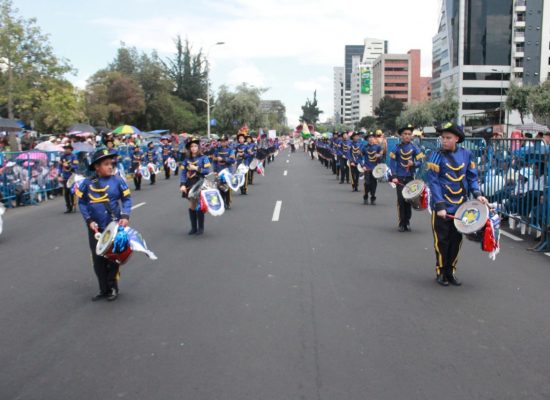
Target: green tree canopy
420,115
518,99
445,109
387,112
310,110
233,109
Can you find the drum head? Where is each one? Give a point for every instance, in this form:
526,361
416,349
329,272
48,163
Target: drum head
379,171
70,181
254,164
360,168
413,189
106,240
471,217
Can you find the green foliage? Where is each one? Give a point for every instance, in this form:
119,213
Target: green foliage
387,112
369,123
60,107
539,103
233,109
420,115
446,109
310,111
518,99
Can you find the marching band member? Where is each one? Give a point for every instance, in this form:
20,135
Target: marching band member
67,166
405,158
102,199
452,177
151,157
344,147
240,157
250,155
224,157
193,168
137,157
167,152
372,153
333,156
355,158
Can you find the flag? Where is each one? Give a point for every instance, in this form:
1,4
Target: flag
137,243
305,131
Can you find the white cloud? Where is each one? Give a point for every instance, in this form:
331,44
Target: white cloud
246,74
320,84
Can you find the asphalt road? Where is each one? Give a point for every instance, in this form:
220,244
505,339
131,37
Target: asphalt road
329,302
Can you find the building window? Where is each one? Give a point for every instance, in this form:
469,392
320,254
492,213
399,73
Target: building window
519,62
402,69
480,106
484,91
485,76
519,75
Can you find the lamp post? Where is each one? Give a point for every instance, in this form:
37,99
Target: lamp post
207,101
501,93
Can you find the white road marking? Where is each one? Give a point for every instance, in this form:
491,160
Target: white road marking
277,211
513,237
285,173
547,254
138,205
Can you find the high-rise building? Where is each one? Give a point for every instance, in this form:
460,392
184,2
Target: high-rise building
353,55
338,85
361,79
481,45
398,76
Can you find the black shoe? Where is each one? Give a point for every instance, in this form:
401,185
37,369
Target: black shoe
365,201
99,296
200,232
193,231
68,211
408,228
442,280
113,295
453,280
341,182
228,206
373,202
401,229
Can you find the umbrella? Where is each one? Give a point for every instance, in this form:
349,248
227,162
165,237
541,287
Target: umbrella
82,128
9,125
157,132
48,146
33,155
83,147
81,134
532,127
126,130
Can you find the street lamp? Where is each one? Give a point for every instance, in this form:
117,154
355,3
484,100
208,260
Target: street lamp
501,90
207,101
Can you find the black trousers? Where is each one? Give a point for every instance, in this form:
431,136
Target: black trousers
107,271
68,197
447,242
370,186
333,166
137,181
251,176
344,169
226,196
166,171
153,178
404,209
354,177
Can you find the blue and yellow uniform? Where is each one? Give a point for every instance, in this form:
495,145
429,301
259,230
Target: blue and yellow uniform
240,153
228,158
167,151
103,200
400,156
151,157
452,178
136,160
372,153
68,165
345,145
188,178
355,157
251,151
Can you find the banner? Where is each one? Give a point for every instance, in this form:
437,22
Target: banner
365,80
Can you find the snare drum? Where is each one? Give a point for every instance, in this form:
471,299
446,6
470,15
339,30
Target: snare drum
471,218
413,193
105,243
380,172
254,164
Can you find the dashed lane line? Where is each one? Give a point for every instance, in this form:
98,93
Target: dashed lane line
138,205
277,211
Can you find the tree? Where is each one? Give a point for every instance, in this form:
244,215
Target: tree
170,112
539,103
113,98
369,123
28,67
61,107
518,99
188,73
446,109
419,115
387,112
234,109
310,111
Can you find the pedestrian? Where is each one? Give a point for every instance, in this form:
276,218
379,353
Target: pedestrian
452,177
372,154
102,199
193,168
405,159
68,165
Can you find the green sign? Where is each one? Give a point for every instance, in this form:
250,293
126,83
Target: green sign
365,80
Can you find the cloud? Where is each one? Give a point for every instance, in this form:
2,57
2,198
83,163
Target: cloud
320,84
246,74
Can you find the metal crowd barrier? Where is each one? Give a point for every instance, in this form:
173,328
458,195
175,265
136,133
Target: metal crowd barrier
31,177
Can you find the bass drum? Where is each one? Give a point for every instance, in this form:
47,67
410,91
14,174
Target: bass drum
470,219
105,244
413,193
144,171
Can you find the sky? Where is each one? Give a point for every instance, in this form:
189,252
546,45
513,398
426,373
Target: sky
287,46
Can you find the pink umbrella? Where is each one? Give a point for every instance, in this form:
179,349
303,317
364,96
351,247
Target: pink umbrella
33,155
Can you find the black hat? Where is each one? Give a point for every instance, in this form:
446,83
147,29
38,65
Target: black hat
408,127
195,140
452,128
369,135
354,134
224,138
241,134
545,133
68,145
101,155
